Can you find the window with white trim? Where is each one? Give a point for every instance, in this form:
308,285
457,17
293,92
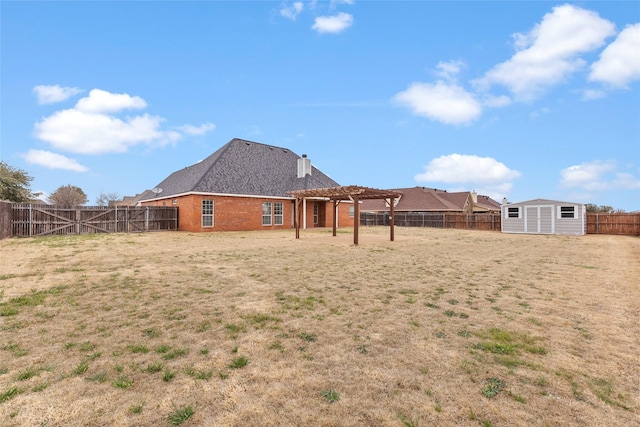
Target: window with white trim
266,213
513,212
207,213
352,211
278,213
567,212
315,213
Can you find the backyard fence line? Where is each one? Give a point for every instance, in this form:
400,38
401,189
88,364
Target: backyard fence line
627,224
27,219
462,221
30,220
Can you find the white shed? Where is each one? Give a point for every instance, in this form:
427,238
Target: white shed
541,216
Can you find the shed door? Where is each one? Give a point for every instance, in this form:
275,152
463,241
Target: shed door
546,220
539,219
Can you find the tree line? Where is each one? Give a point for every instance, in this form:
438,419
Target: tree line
15,186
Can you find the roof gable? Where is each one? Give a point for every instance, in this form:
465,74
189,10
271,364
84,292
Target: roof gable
542,202
245,168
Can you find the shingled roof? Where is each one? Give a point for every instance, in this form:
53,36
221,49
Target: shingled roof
244,168
424,199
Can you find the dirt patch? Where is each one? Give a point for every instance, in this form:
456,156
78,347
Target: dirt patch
439,327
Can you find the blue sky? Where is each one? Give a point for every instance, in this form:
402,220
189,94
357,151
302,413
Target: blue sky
512,99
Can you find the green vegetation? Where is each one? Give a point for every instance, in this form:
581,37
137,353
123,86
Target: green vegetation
239,362
180,415
331,395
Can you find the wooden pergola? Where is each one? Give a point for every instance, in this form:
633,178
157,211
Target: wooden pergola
337,194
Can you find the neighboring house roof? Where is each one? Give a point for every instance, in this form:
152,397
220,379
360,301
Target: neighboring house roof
244,168
487,203
423,199
131,200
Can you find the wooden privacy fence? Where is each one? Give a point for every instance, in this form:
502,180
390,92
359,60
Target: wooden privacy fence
484,221
614,223
627,224
29,220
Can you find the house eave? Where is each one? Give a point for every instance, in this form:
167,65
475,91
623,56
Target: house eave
202,193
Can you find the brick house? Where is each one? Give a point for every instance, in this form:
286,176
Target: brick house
424,199
243,186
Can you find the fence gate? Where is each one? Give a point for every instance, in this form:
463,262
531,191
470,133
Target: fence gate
46,220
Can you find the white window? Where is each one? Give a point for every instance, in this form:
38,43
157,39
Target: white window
567,212
513,212
207,213
266,213
352,211
278,213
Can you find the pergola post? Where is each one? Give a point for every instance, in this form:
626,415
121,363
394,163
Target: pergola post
391,218
335,216
356,218
296,217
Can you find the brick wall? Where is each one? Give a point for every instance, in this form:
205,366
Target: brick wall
245,213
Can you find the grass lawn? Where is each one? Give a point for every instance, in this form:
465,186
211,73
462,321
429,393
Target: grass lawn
440,327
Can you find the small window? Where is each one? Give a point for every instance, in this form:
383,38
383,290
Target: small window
207,213
278,213
315,213
513,212
266,213
567,212
352,211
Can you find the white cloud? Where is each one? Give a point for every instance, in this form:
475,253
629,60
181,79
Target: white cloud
598,176
292,12
93,126
55,93
333,24
484,174
443,102
619,63
90,133
197,130
53,161
550,52
464,168
449,70
101,101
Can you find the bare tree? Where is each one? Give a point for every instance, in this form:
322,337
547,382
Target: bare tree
105,199
68,196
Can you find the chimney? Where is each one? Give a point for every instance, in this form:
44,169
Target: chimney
504,201
304,166
474,197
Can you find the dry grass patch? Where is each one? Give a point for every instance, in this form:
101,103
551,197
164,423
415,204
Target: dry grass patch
440,327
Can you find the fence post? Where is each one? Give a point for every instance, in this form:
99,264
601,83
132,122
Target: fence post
146,219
